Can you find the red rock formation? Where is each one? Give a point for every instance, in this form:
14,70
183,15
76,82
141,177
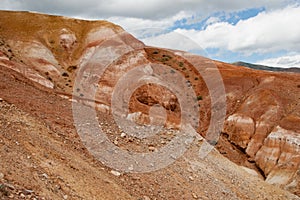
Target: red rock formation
279,158
240,129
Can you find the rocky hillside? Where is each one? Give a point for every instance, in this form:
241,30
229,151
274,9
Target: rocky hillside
51,65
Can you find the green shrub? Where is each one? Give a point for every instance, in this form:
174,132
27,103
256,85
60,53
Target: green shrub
3,190
199,97
65,74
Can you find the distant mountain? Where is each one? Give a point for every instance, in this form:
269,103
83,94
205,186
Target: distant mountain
267,68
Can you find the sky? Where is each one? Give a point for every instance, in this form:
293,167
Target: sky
258,31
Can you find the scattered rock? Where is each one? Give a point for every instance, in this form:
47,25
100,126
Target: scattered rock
123,135
1,175
151,148
195,196
130,168
146,198
163,142
27,192
45,175
116,173
10,186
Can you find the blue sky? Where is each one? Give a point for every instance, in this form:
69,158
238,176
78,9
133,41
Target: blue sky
230,17
264,32
217,17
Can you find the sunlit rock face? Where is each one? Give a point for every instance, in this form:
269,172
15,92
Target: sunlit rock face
240,129
269,137
279,157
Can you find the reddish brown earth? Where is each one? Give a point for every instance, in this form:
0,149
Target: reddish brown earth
43,157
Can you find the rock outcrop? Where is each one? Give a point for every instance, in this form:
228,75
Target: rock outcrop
256,128
279,158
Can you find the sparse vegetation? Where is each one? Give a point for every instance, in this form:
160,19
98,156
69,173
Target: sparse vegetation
3,190
199,98
65,74
180,64
72,68
165,58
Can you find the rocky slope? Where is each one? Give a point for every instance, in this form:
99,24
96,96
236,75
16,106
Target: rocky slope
49,63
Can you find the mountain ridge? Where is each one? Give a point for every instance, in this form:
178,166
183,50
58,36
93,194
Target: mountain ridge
267,68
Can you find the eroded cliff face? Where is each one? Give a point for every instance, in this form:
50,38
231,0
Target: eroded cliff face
279,156
262,127
88,60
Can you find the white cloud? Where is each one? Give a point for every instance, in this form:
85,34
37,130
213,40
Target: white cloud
173,40
150,9
267,32
212,20
132,24
284,61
